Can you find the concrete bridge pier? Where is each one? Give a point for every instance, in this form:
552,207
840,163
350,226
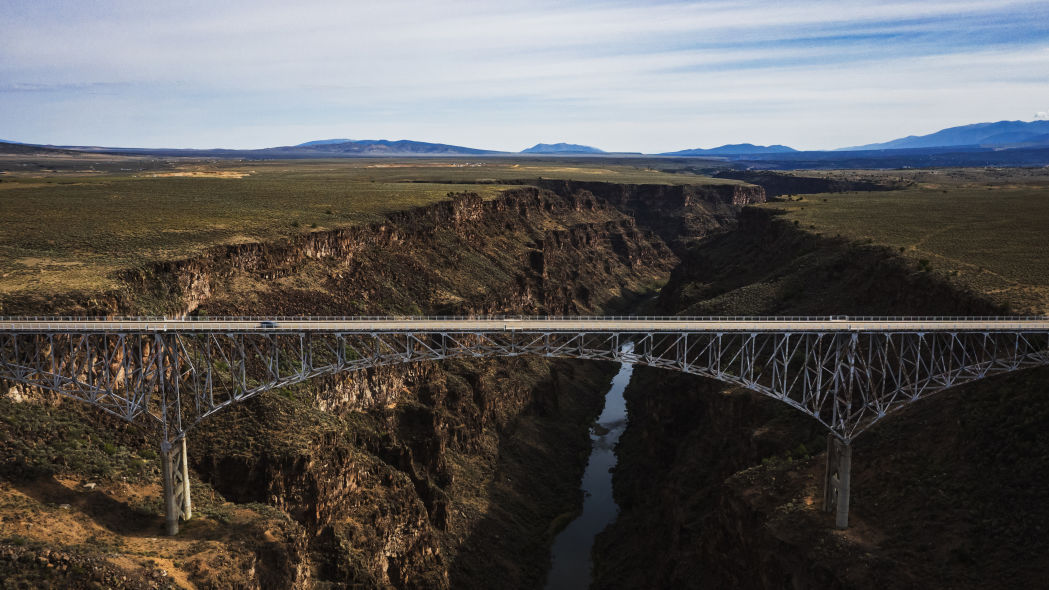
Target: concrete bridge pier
837,483
175,467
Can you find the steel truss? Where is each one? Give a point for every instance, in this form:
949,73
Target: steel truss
171,381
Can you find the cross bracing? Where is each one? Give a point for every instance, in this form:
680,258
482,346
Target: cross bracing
170,375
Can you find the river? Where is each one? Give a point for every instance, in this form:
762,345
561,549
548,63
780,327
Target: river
571,550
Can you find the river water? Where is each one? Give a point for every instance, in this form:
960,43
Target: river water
571,550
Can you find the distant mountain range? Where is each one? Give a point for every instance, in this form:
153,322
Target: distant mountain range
14,148
561,148
1003,134
323,142
379,147
1003,143
734,149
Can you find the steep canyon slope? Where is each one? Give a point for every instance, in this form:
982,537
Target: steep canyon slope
453,474
720,487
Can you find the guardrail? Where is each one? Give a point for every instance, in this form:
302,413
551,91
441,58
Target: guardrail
283,324
672,318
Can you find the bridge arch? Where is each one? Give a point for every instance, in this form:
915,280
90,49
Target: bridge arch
846,380
844,377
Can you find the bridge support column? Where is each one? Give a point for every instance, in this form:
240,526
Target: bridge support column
837,483
175,469
187,505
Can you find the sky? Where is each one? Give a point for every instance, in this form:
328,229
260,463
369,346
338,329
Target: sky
621,76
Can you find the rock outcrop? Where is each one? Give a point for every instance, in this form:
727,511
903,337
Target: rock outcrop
435,475
720,487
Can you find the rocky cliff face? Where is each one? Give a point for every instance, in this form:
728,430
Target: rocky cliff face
720,487
675,212
393,498
435,475
778,183
464,255
768,266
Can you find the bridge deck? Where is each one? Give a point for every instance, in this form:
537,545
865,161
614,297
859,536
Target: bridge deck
590,324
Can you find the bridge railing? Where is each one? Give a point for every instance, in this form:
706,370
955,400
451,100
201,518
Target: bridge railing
660,318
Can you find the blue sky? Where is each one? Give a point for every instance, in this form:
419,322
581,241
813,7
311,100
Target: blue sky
505,75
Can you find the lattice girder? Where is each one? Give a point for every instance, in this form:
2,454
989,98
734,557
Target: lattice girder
847,380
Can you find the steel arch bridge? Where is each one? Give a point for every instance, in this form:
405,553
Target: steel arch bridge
168,375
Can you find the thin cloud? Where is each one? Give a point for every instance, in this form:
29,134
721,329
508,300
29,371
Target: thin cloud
655,77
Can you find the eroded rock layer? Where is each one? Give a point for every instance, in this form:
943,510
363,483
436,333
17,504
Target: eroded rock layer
446,475
721,488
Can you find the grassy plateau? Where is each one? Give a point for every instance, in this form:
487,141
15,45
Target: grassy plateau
68,223
986,229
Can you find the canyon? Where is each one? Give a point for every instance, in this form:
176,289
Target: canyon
459,474
432,476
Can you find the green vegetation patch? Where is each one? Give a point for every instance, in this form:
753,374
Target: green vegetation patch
39,440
